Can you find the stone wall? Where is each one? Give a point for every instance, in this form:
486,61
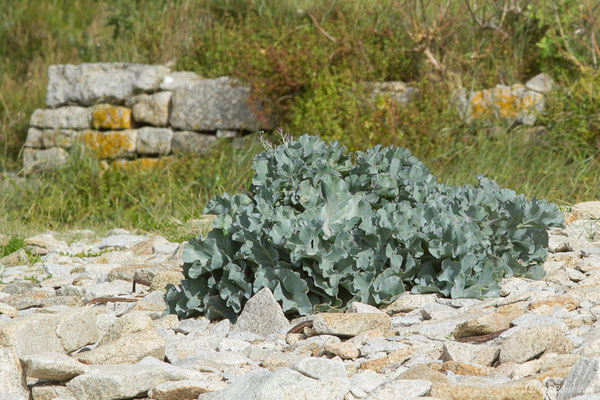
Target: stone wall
134,113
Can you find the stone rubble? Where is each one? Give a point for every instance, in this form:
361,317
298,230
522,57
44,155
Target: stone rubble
72,327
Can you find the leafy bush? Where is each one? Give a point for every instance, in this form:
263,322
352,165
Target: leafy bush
321,227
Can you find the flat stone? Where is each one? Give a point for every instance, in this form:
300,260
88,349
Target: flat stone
14,259
262,315
362,308
437,311
111,144
107,116
364,382
12,379
53,366
187,389
39,160
541,83
346,350
400,389
423,372
345,325
408,302
51,392
586,210
527,390
88,84
469,353
212,104
379,364
528,343
112,382
283,383
128,349
70,117
8,310
152,109
123,241
179,79
584,378
129,323
154,141
380,345
482,325
187,326
38,333
76,328
567,302
191,142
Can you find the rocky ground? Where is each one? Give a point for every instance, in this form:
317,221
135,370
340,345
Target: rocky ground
84,320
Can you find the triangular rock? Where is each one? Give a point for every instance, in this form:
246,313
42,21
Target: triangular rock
262,315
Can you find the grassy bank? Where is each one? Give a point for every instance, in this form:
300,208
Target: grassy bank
306,57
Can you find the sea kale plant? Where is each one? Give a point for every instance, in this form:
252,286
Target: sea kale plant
321,227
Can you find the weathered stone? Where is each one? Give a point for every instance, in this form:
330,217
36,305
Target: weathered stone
482,325
567,302
12,379
397,356
469,353
262,315
362,308
88,84
191,142
111,144
400,389
345,325
107,116
127,349
223,133
527,343
408,302
461,368
364,382
398,92
152,109
127,324
64,138
346,350
38,333
584,378
15,258
121,241
111,382
289,383
179,79
164,278
39,160
540,83
6,309
586,210
526,390
51,392
212,104
154,141
76,328
187,389
423,372
53,366
34,138
510,102
71,117
436,311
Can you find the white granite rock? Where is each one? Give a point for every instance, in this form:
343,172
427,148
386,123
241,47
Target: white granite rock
262,315
152,109
12,379
154,141
88,84
52,366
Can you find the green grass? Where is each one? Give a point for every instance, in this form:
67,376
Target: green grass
307,58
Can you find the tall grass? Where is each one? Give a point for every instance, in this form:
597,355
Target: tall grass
307,58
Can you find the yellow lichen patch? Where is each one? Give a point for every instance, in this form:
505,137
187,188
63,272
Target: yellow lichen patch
139,164
106,116
503,101
111,144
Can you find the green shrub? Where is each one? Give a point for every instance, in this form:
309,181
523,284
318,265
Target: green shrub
323,227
